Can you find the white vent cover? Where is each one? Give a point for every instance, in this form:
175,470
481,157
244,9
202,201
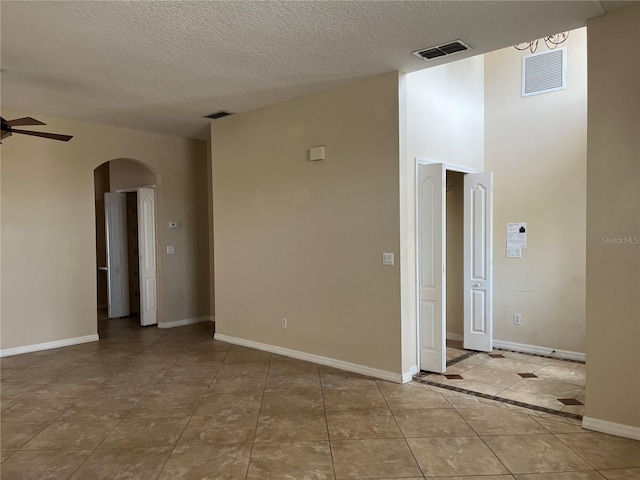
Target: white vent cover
544,72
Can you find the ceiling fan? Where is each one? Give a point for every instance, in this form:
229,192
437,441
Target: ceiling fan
8,130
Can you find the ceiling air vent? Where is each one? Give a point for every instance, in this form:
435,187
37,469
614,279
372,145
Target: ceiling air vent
218,114
442,50
544,72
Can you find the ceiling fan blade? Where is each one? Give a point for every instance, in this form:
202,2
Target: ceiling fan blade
23,121
52,136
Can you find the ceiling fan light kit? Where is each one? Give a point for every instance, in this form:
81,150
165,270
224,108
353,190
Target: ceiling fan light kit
7,129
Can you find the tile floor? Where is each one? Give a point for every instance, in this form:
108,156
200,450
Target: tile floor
550,383
176,404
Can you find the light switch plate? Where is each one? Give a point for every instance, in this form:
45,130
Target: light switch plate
171,249
387,258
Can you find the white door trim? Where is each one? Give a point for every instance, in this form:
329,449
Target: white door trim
447,166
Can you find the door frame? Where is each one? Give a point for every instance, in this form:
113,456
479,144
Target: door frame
136,190
447,167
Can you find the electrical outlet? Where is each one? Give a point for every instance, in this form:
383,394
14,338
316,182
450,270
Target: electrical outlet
284,322
517,319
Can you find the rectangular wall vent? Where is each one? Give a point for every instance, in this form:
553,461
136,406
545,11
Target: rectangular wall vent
218,114
442,50
544,72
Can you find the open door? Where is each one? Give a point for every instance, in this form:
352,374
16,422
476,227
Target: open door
117,267
431,273
147,250
478,261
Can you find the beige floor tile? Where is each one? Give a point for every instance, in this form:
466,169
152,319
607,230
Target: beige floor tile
292,401
373,458
124,463
14,435
475,477
500,421
361,425
37,409
534,454
472,385
604,451
432,422
69,388
355,399
292,427
290,366
547,387
146,432
492,376
220,429
512,365
240,384
185,386
43,465
129,389
212,359
214,403
532,398
296,381
70,435
333,379
244,356
558,425
621,474
411,398
573,373
163,405
207,462
5,454
449,456
589,475
304,461
19,361
98,408
240,369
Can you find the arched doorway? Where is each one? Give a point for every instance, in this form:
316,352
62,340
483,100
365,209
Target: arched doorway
125,243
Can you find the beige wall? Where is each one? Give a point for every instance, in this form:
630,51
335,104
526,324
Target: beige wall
304,240
613,211
536,147
125,173
455,253
48,227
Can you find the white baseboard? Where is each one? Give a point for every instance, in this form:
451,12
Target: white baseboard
186,321
525,348
36,347
310,357
537,350
408,376
611,428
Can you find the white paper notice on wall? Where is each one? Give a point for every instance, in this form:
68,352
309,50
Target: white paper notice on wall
516,235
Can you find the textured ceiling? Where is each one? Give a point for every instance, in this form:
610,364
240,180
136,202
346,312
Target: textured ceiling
162,66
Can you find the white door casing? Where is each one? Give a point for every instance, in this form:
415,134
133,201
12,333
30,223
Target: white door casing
117,266
431,229
148,258
478,261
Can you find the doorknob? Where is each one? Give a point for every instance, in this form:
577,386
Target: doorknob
476,284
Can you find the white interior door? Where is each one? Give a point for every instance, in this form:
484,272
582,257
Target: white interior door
117,266
478,261
431,223
147,250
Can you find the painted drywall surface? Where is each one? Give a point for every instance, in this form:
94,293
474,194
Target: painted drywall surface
304,240
48,227
125,173
441,119
536,148
613,218
455,253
